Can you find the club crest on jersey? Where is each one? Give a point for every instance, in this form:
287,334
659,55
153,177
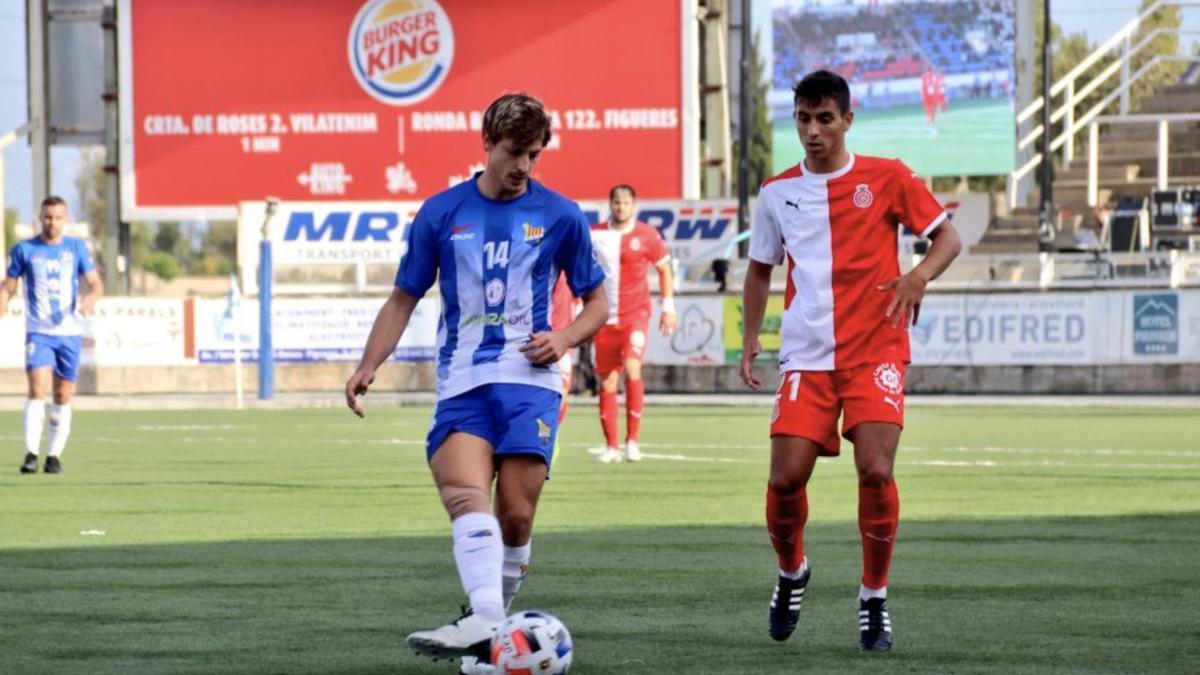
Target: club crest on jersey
635,244
887,378
543,431
533,234
862,196
494,291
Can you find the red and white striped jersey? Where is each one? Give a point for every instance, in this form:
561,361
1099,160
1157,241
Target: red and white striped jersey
837,232
625,258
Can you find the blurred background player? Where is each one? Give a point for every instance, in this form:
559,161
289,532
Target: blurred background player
51,264
833,218
564,308
497,243
933,97
626,248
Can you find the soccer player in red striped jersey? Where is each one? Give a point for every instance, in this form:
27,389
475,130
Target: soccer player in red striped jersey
626,248
833,219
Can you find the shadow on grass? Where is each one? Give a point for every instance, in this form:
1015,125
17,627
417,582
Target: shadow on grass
1088,595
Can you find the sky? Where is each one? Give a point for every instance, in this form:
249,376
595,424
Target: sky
1097,18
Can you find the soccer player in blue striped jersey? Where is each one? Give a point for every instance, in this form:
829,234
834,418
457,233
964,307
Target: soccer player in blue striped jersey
496,244
51,264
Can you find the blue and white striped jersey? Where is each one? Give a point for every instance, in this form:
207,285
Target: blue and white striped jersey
51,274
498,262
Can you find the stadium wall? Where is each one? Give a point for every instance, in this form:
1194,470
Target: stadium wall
1085,342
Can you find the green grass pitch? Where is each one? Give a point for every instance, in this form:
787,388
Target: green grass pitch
974,138
1032,541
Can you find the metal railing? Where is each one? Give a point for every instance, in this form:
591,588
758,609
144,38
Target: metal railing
1075,93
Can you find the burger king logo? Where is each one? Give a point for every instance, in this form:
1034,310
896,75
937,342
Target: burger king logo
401,50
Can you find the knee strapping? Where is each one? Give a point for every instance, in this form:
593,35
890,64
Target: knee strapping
460,500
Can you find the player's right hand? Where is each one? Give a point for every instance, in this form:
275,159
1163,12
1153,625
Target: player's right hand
749,354
357,386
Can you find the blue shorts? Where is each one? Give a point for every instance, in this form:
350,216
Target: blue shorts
60,351
517,419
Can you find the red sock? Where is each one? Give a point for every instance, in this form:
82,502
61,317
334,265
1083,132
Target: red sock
878,517
635,400
608,417
786,515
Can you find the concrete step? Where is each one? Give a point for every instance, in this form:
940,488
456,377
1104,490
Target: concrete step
1173,89
1145,183
985,247
1171,102
1106,172
1185,135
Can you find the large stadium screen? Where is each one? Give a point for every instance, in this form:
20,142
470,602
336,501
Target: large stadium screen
931,81
360,100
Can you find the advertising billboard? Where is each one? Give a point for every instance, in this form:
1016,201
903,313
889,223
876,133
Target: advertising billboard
382,100
931,81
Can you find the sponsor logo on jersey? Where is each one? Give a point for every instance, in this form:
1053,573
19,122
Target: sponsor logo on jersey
532,233
862,196
887,378
461,233
401,50
523,319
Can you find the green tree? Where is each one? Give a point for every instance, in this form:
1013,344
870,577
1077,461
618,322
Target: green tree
91,182
760,125
10,230
218,254
1167,16
162,264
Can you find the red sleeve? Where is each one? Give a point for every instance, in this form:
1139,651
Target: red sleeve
656,249
914,206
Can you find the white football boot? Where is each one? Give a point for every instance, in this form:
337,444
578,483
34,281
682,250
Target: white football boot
610,456
471,665
469,634
632,452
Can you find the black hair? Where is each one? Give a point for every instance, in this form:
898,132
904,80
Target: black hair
820,85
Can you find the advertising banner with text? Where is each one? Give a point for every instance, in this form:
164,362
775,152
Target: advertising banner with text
309,330
367,100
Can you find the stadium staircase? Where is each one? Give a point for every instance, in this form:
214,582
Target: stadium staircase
1128,162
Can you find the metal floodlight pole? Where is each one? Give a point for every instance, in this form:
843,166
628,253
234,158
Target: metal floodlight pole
746,112
1046,214
266,274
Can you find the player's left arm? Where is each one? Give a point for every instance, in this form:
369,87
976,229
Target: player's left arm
921,212
87,270
87,301
668,318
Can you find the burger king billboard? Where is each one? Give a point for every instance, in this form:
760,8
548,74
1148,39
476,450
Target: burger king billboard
382,100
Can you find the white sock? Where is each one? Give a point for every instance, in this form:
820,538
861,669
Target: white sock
798,573
516,563
60,428
865,593
479,554
35,418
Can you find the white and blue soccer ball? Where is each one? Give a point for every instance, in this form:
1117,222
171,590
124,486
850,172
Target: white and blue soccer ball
532,643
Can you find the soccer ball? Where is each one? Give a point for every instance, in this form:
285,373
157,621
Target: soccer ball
532,643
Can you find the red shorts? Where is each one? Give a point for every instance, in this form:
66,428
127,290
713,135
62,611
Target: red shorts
809,402
616,343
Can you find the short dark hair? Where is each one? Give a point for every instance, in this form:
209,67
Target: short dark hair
519,117
53,200
612,194
820,85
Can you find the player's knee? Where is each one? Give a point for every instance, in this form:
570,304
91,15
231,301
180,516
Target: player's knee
460,500
516,524
785,486
875,475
